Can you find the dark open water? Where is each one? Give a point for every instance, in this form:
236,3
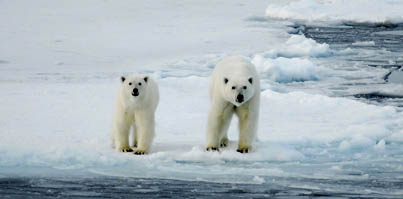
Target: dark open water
386,37
119,187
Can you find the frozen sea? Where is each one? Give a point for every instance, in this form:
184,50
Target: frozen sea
331,122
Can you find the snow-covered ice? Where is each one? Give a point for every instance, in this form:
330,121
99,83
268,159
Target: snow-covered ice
60,64
336,11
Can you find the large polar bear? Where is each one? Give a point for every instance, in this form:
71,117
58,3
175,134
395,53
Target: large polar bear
137,100
234,88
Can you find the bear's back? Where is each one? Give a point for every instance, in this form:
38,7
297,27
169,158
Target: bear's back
235,66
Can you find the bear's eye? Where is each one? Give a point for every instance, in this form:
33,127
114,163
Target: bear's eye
140,84
130,83
244,87
233,88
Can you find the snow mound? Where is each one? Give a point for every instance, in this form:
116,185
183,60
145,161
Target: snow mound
290,62
285,70
300,46
359,11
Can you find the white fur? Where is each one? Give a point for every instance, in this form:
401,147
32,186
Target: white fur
136,112
224,104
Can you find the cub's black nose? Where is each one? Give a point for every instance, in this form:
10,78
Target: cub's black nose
239,98
135,92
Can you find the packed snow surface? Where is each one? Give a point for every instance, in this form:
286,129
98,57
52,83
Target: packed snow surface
359,11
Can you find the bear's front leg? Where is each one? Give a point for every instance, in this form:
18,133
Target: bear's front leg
134,136
145,126
213,130
247,130
245,134
217,127
122,136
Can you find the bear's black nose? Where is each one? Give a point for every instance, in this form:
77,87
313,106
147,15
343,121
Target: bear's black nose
239,98
135,92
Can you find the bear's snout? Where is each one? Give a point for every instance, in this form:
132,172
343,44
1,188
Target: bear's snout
135,92
239,98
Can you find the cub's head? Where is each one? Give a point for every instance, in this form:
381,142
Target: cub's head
134,88
238,90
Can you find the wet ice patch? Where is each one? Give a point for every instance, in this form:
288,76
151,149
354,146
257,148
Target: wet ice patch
258,180
396,77
364,43
355,143
393,32
359,11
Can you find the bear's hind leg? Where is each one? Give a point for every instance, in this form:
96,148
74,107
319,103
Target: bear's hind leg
224,142
227,117
134,136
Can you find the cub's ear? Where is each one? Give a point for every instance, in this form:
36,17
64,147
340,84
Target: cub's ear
225,80
122,79
146,78
250,80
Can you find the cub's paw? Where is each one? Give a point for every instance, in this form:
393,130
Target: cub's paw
139,152
243,150
212,148
125,149
135,145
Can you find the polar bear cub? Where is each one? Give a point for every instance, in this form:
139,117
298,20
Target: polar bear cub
234,89
137,100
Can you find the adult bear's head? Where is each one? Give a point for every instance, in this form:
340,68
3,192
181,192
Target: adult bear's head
238,90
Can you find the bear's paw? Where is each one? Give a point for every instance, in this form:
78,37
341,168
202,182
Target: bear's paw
224,142
126,149
139,152
212,149
243,150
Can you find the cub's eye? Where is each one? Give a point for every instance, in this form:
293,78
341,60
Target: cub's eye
233,88
140,84
130,83
244,87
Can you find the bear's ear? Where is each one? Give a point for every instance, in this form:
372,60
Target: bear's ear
250,80
225,80
146,78
122,79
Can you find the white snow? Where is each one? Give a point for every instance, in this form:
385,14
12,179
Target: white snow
66,126
359,11
60,68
